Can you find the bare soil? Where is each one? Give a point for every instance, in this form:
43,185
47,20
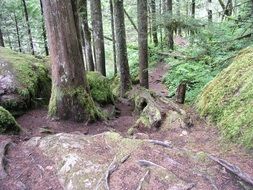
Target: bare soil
30,169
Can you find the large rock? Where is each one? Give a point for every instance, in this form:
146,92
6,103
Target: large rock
83,162
8,124
24,81
227,100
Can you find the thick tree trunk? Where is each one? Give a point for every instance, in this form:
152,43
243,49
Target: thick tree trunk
113,39
170,31
154,24
69,99
28,27
87,37
98,34
193,8
1,38
142,10
17,32
121,50
44,30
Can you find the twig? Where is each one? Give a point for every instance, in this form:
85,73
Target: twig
112,167
234,170
142,180
146,163
161,143
125,158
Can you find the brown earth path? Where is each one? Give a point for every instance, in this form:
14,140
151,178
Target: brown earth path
27,168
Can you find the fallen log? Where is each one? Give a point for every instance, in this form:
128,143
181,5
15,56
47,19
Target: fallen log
235,170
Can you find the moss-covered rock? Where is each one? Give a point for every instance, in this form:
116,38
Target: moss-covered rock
100,88
24,81
228,99
8,125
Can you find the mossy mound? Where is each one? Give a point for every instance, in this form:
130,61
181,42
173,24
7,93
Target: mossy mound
24,81
8,125
228,99
100,88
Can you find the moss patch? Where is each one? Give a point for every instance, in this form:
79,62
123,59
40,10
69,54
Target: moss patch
100,88
228,99
29,79
8,124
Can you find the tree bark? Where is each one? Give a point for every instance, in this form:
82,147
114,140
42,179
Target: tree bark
121,50
28,27
154,24
170,31
17,32
44,30
69,99
193,8
1,39
180,94
113,39
98,34
87,37
142,10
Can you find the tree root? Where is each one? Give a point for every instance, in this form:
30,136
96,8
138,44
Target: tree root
161,143
142,180
234,170
146,163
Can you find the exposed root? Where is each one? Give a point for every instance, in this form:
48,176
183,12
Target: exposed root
161,143
142,180
146,163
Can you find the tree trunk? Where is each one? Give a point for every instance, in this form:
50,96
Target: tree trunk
121,50
97,25
44,30
180,94
154,24
69,99
113,39
170,31
17,32
160,27
209,12
28,27
143,42
179,30
1,39
87,37
193,8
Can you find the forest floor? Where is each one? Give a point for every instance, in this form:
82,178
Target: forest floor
198,141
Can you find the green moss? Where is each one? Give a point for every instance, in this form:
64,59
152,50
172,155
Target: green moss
31,77
115,86
7,122
81,97
100,88
228,99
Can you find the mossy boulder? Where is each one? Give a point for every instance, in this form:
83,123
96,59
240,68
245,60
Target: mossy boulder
228,99
8,125
24,81
100,88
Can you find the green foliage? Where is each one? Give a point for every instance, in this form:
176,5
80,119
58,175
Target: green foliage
227,100
8,125
100,88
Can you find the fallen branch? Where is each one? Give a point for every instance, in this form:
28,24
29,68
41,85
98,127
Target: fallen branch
142,180
161,143
112,167
146,163
234,170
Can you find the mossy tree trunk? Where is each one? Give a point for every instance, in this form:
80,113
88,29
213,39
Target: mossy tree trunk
170,39
28,27
121,50
69,98
98,34
142,11
1,39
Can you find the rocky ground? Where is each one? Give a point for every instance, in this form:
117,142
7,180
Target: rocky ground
65,155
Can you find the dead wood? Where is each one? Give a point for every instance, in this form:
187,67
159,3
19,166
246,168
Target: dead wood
142,180
161,143
235,170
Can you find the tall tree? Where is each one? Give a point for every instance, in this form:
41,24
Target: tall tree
17,32
113,38
142,12
28,27
69,99
98,34
44,29
154,24
87,37
209,11
169,28
1,38
121,50
193,8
